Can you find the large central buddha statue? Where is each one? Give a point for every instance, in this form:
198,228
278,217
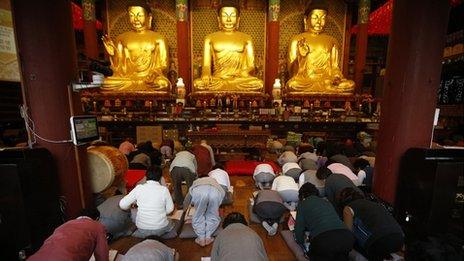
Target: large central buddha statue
139,58
228,58
313,57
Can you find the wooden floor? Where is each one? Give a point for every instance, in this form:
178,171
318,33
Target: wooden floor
189,250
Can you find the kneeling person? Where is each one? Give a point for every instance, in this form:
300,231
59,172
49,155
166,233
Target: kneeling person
377,232
154,204
263,175
206,196
237,241
151,249
288,190
222,177
76,239
329,238
269,207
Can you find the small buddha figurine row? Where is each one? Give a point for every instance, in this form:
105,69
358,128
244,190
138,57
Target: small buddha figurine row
235,105
139,58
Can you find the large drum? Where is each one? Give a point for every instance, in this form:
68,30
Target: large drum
107,166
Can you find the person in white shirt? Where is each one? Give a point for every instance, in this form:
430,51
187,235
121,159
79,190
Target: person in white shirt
339,168
263,175
287,156
154,204
211,152
288,190
222,177
291,169
182,168
206,196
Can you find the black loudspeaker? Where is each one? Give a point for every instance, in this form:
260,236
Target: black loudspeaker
430,190
29,201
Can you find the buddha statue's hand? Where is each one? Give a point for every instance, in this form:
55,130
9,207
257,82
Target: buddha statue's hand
151,78
303,47
108,43
206,79
336,81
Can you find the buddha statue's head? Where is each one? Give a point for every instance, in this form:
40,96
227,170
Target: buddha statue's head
139,18
228,18
315,16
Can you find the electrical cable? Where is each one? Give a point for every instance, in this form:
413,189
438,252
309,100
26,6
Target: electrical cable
27,119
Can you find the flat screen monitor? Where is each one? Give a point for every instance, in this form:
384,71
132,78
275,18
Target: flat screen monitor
84,129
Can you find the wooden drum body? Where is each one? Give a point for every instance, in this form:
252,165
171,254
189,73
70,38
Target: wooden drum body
107,166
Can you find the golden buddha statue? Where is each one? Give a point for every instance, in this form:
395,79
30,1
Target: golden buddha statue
228,58
139,58
313,57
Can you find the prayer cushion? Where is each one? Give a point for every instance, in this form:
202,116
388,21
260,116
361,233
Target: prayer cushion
287,235
132,177
173,233
187,231
246,167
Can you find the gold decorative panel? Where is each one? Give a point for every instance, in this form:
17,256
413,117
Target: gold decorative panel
164,21
291,23
252,21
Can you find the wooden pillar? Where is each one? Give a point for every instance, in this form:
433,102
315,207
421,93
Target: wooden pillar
361,43
272,46
415,52
183,43
90,29
346,47
47,49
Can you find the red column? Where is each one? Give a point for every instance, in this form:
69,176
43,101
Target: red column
346,47
48,61
412,78
272,57
90,29
183,43
361,44
183,53
272,46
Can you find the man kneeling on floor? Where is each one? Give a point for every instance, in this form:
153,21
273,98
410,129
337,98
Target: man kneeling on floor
76,240
237,241
206,196
151,249
269,208
318,229
154,204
